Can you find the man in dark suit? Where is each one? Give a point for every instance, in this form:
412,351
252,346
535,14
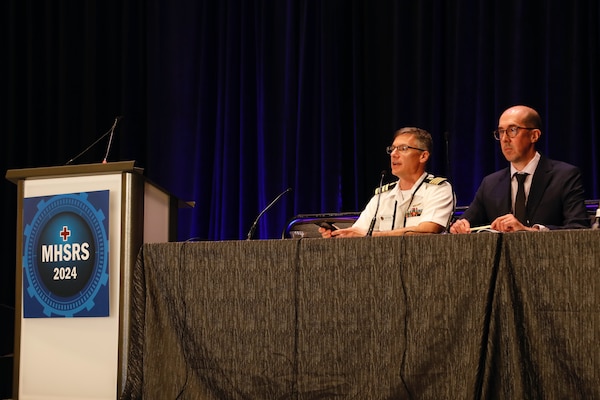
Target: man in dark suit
554,197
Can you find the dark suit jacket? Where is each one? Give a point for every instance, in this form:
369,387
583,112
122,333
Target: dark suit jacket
556,198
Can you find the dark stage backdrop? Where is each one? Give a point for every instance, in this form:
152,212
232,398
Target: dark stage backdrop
229,103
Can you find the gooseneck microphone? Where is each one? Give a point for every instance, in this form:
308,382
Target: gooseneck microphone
372,226
111,130
253,227
449,176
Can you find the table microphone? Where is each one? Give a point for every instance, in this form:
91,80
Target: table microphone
449,176
449,223
372,226
253,227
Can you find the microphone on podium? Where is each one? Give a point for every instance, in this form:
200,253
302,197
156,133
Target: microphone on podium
253,227
109,132
112,132
372,226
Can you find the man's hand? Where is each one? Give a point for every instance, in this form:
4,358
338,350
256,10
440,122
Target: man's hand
346,232
509,223
325,233
461,226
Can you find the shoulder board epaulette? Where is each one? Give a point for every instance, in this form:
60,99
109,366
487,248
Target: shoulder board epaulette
386,187
435,180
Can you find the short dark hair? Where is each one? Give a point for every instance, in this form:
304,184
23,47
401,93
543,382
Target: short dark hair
422,136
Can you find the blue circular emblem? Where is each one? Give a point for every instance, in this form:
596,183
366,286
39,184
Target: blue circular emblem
65,260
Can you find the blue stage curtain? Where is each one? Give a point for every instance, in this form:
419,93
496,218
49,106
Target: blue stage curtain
229,103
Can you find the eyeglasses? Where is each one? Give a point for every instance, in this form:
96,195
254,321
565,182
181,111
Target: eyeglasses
402,148
512,131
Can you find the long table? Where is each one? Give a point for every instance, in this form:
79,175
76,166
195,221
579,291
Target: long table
480,316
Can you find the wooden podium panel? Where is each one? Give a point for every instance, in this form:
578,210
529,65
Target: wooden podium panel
86,357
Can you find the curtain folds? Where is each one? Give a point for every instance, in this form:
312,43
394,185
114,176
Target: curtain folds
230,104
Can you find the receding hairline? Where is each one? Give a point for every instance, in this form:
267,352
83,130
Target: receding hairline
530,115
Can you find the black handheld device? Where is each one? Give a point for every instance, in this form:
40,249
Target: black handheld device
327,225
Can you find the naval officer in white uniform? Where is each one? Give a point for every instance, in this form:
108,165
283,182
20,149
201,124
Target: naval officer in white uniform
417,202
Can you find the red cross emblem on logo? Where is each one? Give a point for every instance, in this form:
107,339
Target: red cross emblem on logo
65,233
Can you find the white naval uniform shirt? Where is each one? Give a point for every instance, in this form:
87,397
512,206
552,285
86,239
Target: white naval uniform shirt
423,202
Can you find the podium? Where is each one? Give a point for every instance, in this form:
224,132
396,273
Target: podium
79,230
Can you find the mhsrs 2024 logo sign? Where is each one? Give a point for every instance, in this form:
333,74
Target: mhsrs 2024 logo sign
65,255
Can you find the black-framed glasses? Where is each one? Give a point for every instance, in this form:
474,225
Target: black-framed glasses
511,131
402,148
